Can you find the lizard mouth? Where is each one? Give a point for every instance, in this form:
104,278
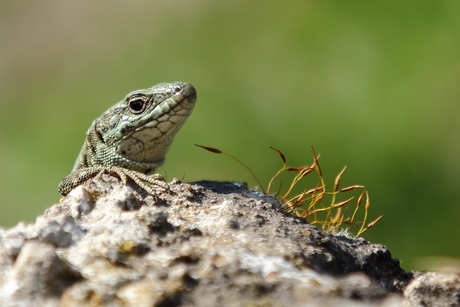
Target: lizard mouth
169,115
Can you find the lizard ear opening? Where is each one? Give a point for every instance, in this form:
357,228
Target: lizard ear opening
99,136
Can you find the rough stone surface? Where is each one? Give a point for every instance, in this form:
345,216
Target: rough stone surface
203,244
433,289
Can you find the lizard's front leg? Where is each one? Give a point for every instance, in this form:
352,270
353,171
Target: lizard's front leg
148,183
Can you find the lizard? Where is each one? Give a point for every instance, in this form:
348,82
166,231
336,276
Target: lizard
132,137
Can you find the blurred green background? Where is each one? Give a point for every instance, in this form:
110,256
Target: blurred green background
370,84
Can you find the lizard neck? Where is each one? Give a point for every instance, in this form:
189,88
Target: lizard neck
96,153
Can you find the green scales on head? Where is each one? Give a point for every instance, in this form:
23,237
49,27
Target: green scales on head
132,138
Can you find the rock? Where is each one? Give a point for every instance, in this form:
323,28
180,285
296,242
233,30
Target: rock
204,244
433,289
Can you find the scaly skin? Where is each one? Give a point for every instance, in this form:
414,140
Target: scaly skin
132,138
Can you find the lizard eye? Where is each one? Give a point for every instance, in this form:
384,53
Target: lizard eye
137,105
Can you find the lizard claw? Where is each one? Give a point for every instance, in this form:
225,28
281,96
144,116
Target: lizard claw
151,184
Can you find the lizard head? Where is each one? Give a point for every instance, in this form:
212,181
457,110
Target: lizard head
142,126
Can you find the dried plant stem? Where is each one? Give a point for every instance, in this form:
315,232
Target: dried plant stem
310,202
